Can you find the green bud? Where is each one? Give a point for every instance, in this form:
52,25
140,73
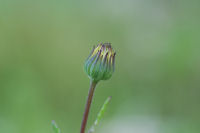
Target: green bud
100,63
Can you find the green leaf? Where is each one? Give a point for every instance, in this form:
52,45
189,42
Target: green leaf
56,129
100,115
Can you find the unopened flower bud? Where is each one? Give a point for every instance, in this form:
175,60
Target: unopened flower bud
101,62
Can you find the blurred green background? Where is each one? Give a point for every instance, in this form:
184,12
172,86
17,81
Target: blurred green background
156,85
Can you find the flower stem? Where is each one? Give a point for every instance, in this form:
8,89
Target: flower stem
87,106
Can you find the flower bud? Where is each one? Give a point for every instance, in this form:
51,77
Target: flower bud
101,62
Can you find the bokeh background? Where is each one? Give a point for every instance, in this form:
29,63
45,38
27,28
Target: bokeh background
156,85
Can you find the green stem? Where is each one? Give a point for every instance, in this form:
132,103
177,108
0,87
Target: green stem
87,106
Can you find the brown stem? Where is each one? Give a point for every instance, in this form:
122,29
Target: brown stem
87,106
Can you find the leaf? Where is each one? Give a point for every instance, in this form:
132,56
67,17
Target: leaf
56,129
100,115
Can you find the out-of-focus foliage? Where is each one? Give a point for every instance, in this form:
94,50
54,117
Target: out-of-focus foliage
44,44
100,115
56,129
